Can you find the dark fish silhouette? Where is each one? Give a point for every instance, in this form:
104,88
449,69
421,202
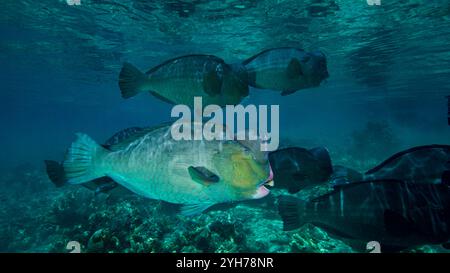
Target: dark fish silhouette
179,80
296,168
286,69
397,214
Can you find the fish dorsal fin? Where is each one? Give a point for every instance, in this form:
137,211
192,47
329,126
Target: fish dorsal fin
212,83
133,137
396,156
179,58
202,175
121,135
294,69
193,209
269,51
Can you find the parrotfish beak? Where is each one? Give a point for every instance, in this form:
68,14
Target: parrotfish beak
261,190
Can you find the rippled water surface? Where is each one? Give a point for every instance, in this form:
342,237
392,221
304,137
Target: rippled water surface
59,66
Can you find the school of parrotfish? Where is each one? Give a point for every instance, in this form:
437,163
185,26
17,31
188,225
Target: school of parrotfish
401,203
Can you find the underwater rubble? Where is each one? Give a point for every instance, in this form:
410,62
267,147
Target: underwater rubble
37,217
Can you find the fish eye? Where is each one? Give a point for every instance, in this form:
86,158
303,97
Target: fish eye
248,150
247,153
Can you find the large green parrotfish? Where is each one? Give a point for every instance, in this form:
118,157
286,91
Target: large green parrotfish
196,174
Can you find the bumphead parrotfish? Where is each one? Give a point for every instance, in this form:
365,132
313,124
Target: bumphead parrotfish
195,174
286,69
397,214
179,80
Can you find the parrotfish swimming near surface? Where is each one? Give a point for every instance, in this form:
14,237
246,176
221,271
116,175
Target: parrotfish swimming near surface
397,214
196,174
179,80
286,69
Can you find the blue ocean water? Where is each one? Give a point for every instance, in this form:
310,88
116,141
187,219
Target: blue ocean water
388,65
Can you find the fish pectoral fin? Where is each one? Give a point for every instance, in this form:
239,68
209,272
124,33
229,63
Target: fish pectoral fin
202,175
396,224
194,209
132,137
212,83
288,208
294,69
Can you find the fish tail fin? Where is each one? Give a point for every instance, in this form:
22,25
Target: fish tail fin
79,164
131,80
55,172
288,208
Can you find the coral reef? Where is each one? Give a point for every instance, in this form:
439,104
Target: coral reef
42,218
